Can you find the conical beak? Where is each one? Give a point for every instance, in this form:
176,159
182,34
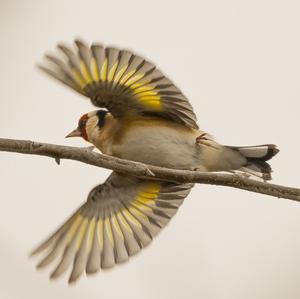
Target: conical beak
74,133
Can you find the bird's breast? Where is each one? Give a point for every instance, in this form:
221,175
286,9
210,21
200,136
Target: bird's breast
156,143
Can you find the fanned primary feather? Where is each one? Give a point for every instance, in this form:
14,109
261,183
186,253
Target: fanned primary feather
120,81
119,218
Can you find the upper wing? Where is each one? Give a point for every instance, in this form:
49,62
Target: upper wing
120,81
119,218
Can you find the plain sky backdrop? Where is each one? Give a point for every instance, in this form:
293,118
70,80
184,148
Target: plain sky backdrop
239,64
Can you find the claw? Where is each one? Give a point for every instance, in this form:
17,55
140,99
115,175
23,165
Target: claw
90,148
206,140
202,137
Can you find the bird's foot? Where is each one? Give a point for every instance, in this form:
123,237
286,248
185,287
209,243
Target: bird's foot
89,148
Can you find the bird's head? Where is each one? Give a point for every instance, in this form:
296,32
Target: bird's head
89,125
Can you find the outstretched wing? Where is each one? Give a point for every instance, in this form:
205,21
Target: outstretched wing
119,218
124,83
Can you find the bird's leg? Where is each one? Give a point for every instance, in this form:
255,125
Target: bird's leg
206,139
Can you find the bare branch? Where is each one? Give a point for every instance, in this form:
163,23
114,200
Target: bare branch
85,155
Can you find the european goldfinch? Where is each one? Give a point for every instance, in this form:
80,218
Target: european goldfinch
148,120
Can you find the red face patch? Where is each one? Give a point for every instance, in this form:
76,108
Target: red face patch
82,126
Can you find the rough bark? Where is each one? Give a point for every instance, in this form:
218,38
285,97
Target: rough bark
86,155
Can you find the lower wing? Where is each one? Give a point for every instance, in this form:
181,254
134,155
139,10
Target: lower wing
119,218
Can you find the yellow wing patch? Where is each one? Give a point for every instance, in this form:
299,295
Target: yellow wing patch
130,218
124,222
120,73
134,79
81,233
143,91
126,77
91,233
108,230
138,213
104,70
112,72
82,229
117,226
146,198
78,78
85,72
94,70
100,233
74,228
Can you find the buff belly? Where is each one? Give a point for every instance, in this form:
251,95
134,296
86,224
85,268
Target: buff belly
160,146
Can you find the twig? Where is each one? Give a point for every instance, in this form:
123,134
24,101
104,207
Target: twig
85,155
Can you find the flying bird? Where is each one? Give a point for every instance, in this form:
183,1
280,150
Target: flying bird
146,118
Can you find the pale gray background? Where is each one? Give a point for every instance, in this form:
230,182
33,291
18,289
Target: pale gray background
238,63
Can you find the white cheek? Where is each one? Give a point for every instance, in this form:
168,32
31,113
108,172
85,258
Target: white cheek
94,134
92,130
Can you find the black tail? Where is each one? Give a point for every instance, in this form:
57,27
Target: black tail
256,159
